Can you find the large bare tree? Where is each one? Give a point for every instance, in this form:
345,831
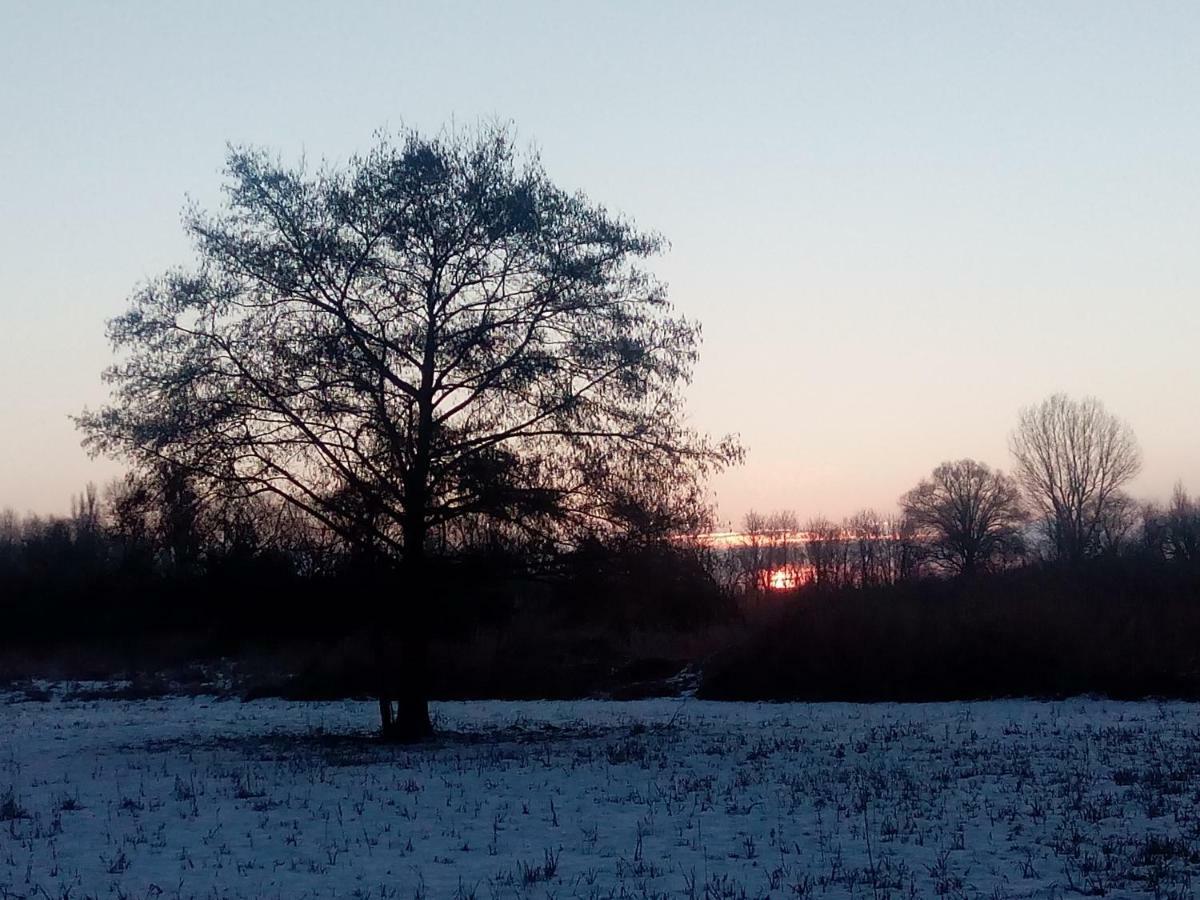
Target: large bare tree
1073,458
969,516
433,333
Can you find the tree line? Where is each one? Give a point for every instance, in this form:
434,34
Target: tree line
148,555
1064,502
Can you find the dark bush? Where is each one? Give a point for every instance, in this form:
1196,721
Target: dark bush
1121,627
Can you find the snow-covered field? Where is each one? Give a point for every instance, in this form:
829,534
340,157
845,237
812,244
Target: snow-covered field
199,797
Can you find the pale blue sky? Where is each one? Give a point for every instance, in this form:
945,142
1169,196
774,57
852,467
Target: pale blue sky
899,223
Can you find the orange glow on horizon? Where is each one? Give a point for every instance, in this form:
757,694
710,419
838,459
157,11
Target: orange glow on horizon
786,578
781,580
727,539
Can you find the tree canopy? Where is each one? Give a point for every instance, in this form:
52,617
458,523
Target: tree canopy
1073,457
430,344
431,335
970,516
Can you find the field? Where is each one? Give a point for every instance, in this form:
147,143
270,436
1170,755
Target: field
204,797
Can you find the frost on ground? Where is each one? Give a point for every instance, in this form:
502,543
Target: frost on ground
199,797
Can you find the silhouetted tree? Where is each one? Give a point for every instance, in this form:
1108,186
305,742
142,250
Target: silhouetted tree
179,511
156,514
1118,524
785,554
1182,527
903,553
434,332
828,552
870,533
10,526
969,515
770,549
1073,458
751,554
129,511
85,513
11,529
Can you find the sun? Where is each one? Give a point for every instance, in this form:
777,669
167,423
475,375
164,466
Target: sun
782,579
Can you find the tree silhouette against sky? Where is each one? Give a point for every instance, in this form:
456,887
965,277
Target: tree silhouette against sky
434,333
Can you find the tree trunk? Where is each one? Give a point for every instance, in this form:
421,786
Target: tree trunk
404,685
404,698
408,719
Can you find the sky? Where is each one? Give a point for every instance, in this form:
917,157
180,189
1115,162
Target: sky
898,223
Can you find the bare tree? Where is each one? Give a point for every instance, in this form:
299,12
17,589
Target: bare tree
128,512
10,532
1119,521
769,554
1073,458
902,551
436,332
751,553
1182,526
85,513
888,548
828,552
970,515
785,555
870,533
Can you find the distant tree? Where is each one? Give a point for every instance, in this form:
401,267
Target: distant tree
1118,524
1073,458
871,535
128,512
10,526
155,513
1182,526
827,550
903,551
751,554
435,333
770,550
88,541
179,512
785,554
970,515
85,513
1152,535
885,549
10,540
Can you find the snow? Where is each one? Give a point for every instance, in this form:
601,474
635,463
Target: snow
203,797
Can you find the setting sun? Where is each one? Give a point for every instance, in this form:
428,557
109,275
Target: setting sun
782,579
